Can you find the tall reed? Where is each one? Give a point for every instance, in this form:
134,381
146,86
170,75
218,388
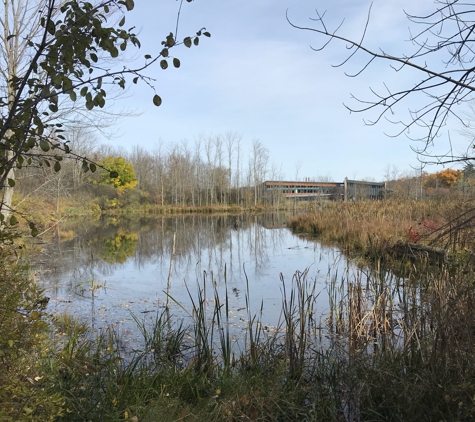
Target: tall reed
391,348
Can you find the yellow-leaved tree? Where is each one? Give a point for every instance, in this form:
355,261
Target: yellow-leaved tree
118,173
443,179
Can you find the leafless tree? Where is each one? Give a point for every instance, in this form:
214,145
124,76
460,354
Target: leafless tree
230,139
298,166
258,165
443,59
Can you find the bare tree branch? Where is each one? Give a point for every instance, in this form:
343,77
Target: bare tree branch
448,36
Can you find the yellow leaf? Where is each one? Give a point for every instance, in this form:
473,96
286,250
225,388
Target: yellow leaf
34,315
10,343
126,415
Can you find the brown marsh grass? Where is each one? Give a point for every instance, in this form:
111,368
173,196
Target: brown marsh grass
391,349
375,226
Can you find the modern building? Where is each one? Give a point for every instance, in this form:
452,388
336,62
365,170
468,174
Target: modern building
331,191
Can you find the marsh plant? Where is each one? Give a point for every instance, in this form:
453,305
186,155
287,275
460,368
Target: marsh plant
391,348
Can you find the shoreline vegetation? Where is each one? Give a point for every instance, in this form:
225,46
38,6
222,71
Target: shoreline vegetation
395,346
40,210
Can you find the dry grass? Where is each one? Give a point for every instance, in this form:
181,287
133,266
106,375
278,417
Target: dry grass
378,225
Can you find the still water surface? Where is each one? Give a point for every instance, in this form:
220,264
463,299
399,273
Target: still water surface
128,263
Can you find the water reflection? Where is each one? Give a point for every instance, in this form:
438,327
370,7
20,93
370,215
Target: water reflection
113,266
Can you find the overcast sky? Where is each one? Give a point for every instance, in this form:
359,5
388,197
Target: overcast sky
257,76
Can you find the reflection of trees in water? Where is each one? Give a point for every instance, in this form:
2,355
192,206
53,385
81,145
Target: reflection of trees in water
260,240
118,248
203,242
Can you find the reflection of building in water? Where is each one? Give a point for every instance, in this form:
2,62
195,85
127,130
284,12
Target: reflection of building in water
355,190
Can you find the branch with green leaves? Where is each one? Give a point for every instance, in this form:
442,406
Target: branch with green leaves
71,58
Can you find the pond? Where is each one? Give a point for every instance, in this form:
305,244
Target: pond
101,272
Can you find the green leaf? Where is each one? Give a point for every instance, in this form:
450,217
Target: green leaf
207,34
13,220
147,56
164,52
122,21
100,100
170,42
44,145
106,8
157,100
135,79
73,96
129,4
113,174
34,230
187,42
57,79
83,91
67,83
50,27
196,41
57,166
11,182
93,57
176,62
114,52
93,167
163,64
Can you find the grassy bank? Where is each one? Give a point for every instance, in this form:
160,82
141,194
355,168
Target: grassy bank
374,227
46,214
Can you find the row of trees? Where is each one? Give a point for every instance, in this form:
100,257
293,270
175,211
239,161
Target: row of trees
211,170
419,184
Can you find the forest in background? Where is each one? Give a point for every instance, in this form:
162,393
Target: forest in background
213,170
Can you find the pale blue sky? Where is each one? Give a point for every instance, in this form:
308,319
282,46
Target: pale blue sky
257,76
